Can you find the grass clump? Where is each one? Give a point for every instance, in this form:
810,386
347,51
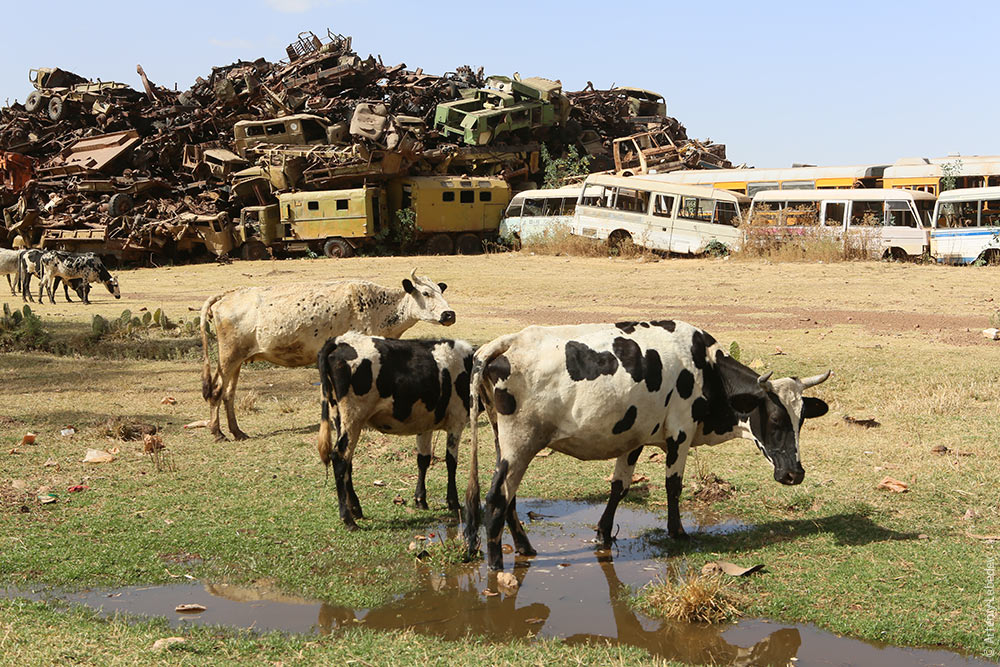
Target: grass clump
796,235
691,597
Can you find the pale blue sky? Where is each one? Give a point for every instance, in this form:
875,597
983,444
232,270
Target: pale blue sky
778,82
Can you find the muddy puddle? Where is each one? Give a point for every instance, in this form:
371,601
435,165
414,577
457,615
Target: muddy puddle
571,590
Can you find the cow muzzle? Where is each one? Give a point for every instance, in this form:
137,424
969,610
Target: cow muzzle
789,477
447,318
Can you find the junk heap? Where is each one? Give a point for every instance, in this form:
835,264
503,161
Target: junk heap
151,174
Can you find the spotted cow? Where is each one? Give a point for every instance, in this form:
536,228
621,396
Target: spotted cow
402,387
288,324
603,391
78,270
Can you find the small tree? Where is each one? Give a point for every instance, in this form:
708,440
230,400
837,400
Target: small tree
557,170
949,175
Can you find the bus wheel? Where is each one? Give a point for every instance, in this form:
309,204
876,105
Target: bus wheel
337,249
895,255
990,257
253,250
439,244
469,244
620,241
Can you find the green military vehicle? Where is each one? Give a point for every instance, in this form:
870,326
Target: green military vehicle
504,106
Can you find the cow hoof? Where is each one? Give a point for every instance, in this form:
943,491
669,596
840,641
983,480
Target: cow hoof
527,551
678,534
219,437
357,513
420,504
240,435
454,505
351,527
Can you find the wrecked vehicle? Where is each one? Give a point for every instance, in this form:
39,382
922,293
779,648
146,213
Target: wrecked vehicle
440,214
503,106
645,153
59,94
297,129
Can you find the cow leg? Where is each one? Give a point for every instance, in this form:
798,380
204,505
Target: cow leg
11,284
620,482
423,462
677,451
26,288
451,459
521,542
341,473
65,286
352,497
506,478
228,396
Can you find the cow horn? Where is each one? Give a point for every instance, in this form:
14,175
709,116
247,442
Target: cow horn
413,275
763,379
815,379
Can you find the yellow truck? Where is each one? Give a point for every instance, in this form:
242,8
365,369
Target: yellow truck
444,214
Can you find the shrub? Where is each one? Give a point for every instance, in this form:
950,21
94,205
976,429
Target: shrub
22,330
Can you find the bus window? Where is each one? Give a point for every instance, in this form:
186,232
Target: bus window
663,206
726,214
990,213
568,205
898,214
754,188
798,185
866,213
926,211
551,207
694,208
801,214
959,214
514,210
835,212
627,199
533,207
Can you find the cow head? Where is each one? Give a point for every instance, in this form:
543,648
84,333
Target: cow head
772,413
426,300
112,284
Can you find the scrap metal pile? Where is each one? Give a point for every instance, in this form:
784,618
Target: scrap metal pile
157,172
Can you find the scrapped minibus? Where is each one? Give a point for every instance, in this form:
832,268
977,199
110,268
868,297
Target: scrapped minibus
532,213
967,226
891,223
682,219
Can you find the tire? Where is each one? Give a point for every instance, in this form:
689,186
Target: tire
58,109
119,204
990,257
895,255
469,244
439,244
253,250
337,249
620,240
35,102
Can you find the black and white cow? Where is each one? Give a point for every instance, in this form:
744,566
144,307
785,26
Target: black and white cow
603,391
402,387
78,270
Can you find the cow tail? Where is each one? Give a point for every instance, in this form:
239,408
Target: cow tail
328,399
206,371
473,510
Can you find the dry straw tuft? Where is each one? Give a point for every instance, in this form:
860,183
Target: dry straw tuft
692,598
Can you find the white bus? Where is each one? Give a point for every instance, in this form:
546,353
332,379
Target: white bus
532,213
967,226
676,218
894,223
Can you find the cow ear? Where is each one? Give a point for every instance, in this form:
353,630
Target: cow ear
745,403
813,407
407,286
443,287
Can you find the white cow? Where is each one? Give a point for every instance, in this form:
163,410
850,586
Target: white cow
603,391
288,324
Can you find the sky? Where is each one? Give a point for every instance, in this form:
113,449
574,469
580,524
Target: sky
777,82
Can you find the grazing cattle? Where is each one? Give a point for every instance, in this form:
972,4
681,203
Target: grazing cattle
403,387
288,324
604,391
9,261
78,270
28,264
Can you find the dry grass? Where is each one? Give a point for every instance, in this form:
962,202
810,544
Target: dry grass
692,597
806,241
558,241
246,404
